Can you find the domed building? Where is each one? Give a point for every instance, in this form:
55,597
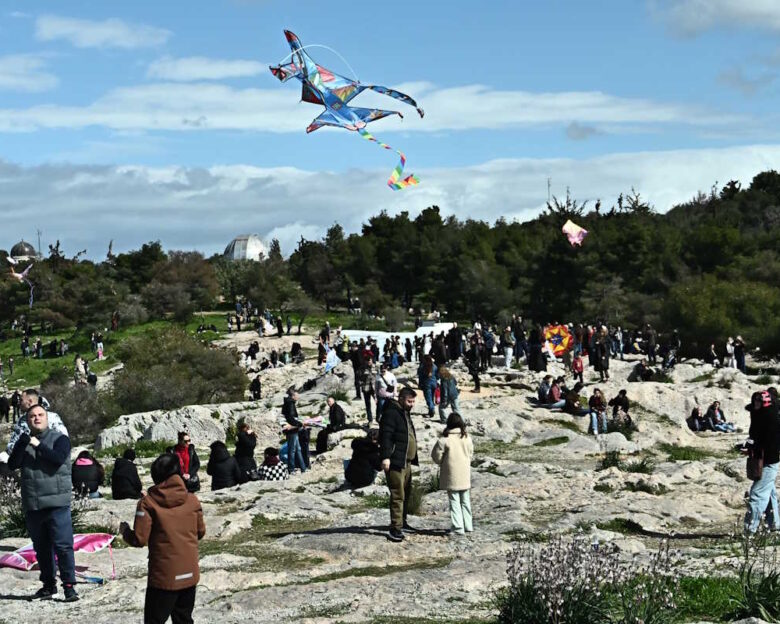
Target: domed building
23,252
246,247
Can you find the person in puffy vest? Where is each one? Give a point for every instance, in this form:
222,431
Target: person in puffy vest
43,456
87,475
169,519
125,482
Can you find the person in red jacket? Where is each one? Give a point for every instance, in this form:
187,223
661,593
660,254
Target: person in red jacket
577,367
169,520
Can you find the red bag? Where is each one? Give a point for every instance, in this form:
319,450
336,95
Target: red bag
437,395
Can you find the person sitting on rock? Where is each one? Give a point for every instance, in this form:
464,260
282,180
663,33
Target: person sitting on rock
188,459
620,406
362,468
337,421
598,412
125,482
87,475
555,397
697,422
272,468
716,420
572,404
641,372
223,468
543,390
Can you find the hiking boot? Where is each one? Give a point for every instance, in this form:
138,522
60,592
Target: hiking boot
71,595
44,593
394,535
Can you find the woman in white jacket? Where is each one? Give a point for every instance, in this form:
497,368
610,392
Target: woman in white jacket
453,452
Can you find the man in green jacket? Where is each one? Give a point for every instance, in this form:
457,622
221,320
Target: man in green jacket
398,448
43,455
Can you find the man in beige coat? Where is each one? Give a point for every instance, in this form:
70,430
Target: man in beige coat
453,452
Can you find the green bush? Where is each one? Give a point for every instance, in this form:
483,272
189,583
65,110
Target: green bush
643,466
684,453
611,459
143,448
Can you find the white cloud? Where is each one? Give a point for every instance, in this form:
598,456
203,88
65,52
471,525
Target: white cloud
692,17
204,209
194,68
178,106
25,72
110,33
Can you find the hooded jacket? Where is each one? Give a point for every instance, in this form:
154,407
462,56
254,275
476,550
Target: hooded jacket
223,468
245,451
87,475
365,463
170,521
125,482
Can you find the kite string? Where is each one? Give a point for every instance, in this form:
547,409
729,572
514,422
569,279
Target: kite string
395,181
319,45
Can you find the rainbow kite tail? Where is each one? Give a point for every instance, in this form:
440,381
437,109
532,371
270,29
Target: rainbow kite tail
395,182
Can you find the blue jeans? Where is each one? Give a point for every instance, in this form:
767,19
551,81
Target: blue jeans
594,421
557,404
428,394
294,455
762,492
51,531
453,403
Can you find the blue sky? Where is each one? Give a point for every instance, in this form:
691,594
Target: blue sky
109,107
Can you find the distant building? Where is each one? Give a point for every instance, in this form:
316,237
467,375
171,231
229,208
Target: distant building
23,252
246,247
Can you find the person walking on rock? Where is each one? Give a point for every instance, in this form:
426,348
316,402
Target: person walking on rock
453,452
169,519
398,449
43,455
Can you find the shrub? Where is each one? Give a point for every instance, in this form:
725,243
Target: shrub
85,410
684,453
643,466
758,593
143,448
341,395
611,459
394,318
622,426
763,380
649,594
561,582
12,520
132,312
606,488
648,488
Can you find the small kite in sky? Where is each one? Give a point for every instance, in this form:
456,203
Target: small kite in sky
22,277
334,92
574,232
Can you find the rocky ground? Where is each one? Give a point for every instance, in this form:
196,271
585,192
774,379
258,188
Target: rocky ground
309,550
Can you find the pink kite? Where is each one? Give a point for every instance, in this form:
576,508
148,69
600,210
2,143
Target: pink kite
24,558
574,232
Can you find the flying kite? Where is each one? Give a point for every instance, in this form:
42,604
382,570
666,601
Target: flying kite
560,338
22,277
574,232
334,92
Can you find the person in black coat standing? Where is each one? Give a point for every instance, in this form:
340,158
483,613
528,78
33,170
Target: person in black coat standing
223,468
125,482
246,441
398,450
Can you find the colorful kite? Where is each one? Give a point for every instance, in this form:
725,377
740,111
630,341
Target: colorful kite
574,232
559,337
25,559
22,277
334,92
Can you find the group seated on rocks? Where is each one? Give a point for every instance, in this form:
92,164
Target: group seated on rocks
712,420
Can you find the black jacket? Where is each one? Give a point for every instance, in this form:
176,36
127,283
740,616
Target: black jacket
336,418
193,484
223,468
290,412
364,464
125,482
765,432
245,451
394,435
87,479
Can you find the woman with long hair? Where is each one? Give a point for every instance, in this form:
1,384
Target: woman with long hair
453,452
427,380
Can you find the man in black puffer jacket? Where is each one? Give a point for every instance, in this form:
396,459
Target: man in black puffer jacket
125,482
398,449
223,468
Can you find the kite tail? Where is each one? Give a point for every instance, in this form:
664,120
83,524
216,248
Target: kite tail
395,182
32,288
